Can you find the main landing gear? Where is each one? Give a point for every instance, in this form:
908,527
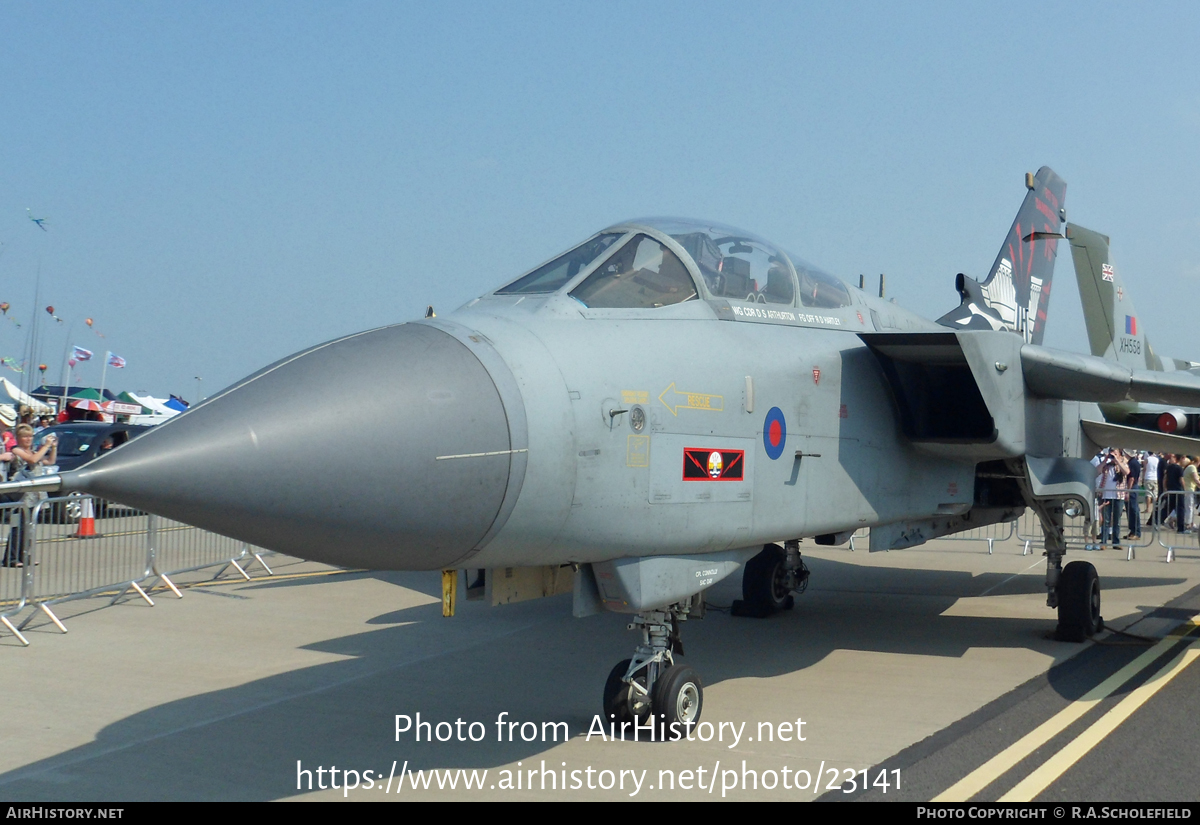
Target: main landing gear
769,579
651,684
1075,589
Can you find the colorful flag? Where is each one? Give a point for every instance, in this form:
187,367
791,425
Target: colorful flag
81,354
1130,325
115,361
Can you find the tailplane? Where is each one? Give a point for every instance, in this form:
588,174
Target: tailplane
1113,328
1016,294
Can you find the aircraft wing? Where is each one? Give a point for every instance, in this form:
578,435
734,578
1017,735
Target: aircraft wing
959,394
1137,438
1055,373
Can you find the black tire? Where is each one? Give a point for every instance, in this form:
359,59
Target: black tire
621,703
1079,602
764,586
678,700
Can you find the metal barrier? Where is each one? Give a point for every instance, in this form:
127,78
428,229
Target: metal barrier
181,548
75,560
860,533
14,575
1081,533
1171,536
78,546
991,533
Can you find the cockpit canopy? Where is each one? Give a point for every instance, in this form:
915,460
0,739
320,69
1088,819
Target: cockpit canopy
656,262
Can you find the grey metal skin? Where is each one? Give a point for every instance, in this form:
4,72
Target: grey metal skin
484,438
503,434
1107,303
265,462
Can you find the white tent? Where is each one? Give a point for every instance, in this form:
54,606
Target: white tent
17,398
161,411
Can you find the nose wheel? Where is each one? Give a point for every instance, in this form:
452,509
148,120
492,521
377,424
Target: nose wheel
626,695
649,695
678,698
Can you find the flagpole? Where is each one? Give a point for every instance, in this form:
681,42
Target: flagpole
103,375
66,375
62,405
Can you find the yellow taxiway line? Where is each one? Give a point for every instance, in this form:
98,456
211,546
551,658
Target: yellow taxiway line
1057,765
1001,763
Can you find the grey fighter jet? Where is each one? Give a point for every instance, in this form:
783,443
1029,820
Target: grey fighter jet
1116,332
662,406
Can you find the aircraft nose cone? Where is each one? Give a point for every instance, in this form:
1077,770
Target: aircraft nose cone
337,454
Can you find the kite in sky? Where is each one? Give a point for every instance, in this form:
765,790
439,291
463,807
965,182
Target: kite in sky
41,222
4,307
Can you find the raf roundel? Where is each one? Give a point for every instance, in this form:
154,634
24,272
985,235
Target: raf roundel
774,433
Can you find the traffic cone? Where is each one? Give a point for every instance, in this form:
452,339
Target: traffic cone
87,520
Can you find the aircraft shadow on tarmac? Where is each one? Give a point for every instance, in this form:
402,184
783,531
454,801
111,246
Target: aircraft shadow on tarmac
532,660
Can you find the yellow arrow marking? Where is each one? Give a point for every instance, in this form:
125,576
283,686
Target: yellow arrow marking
690,400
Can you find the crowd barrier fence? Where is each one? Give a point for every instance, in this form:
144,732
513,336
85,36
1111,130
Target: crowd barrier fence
1166,516
13,573
76,546
991,533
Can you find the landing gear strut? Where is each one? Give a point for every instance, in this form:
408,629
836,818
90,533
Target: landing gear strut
651,683
769,580
1075,589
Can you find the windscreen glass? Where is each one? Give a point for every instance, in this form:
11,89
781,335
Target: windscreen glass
552,276
733,263
819,289
641,274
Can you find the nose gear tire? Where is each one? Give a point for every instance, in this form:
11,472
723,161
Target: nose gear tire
678,699
622,702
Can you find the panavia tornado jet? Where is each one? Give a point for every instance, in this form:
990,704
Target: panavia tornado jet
1115,332
666,404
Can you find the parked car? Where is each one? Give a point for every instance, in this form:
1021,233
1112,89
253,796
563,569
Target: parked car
78,443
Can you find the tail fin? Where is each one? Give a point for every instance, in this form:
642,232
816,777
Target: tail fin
1113,328
1016,294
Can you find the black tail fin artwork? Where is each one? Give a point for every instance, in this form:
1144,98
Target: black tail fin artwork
1016,294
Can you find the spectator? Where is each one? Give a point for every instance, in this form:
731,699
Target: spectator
1113,471
1173,485
27,463
1150,478
8,420
1191,482
1132,513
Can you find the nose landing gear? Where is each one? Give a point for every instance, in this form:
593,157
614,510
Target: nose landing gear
650,692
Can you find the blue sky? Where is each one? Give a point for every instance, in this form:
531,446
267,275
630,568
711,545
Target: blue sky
227,183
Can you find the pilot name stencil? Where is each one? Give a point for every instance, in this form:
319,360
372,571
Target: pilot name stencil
786,315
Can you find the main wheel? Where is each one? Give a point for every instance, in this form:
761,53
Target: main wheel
764,581
622,703
678,700
1079,602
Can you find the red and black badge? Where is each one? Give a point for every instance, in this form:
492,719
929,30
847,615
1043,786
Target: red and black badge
702,464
